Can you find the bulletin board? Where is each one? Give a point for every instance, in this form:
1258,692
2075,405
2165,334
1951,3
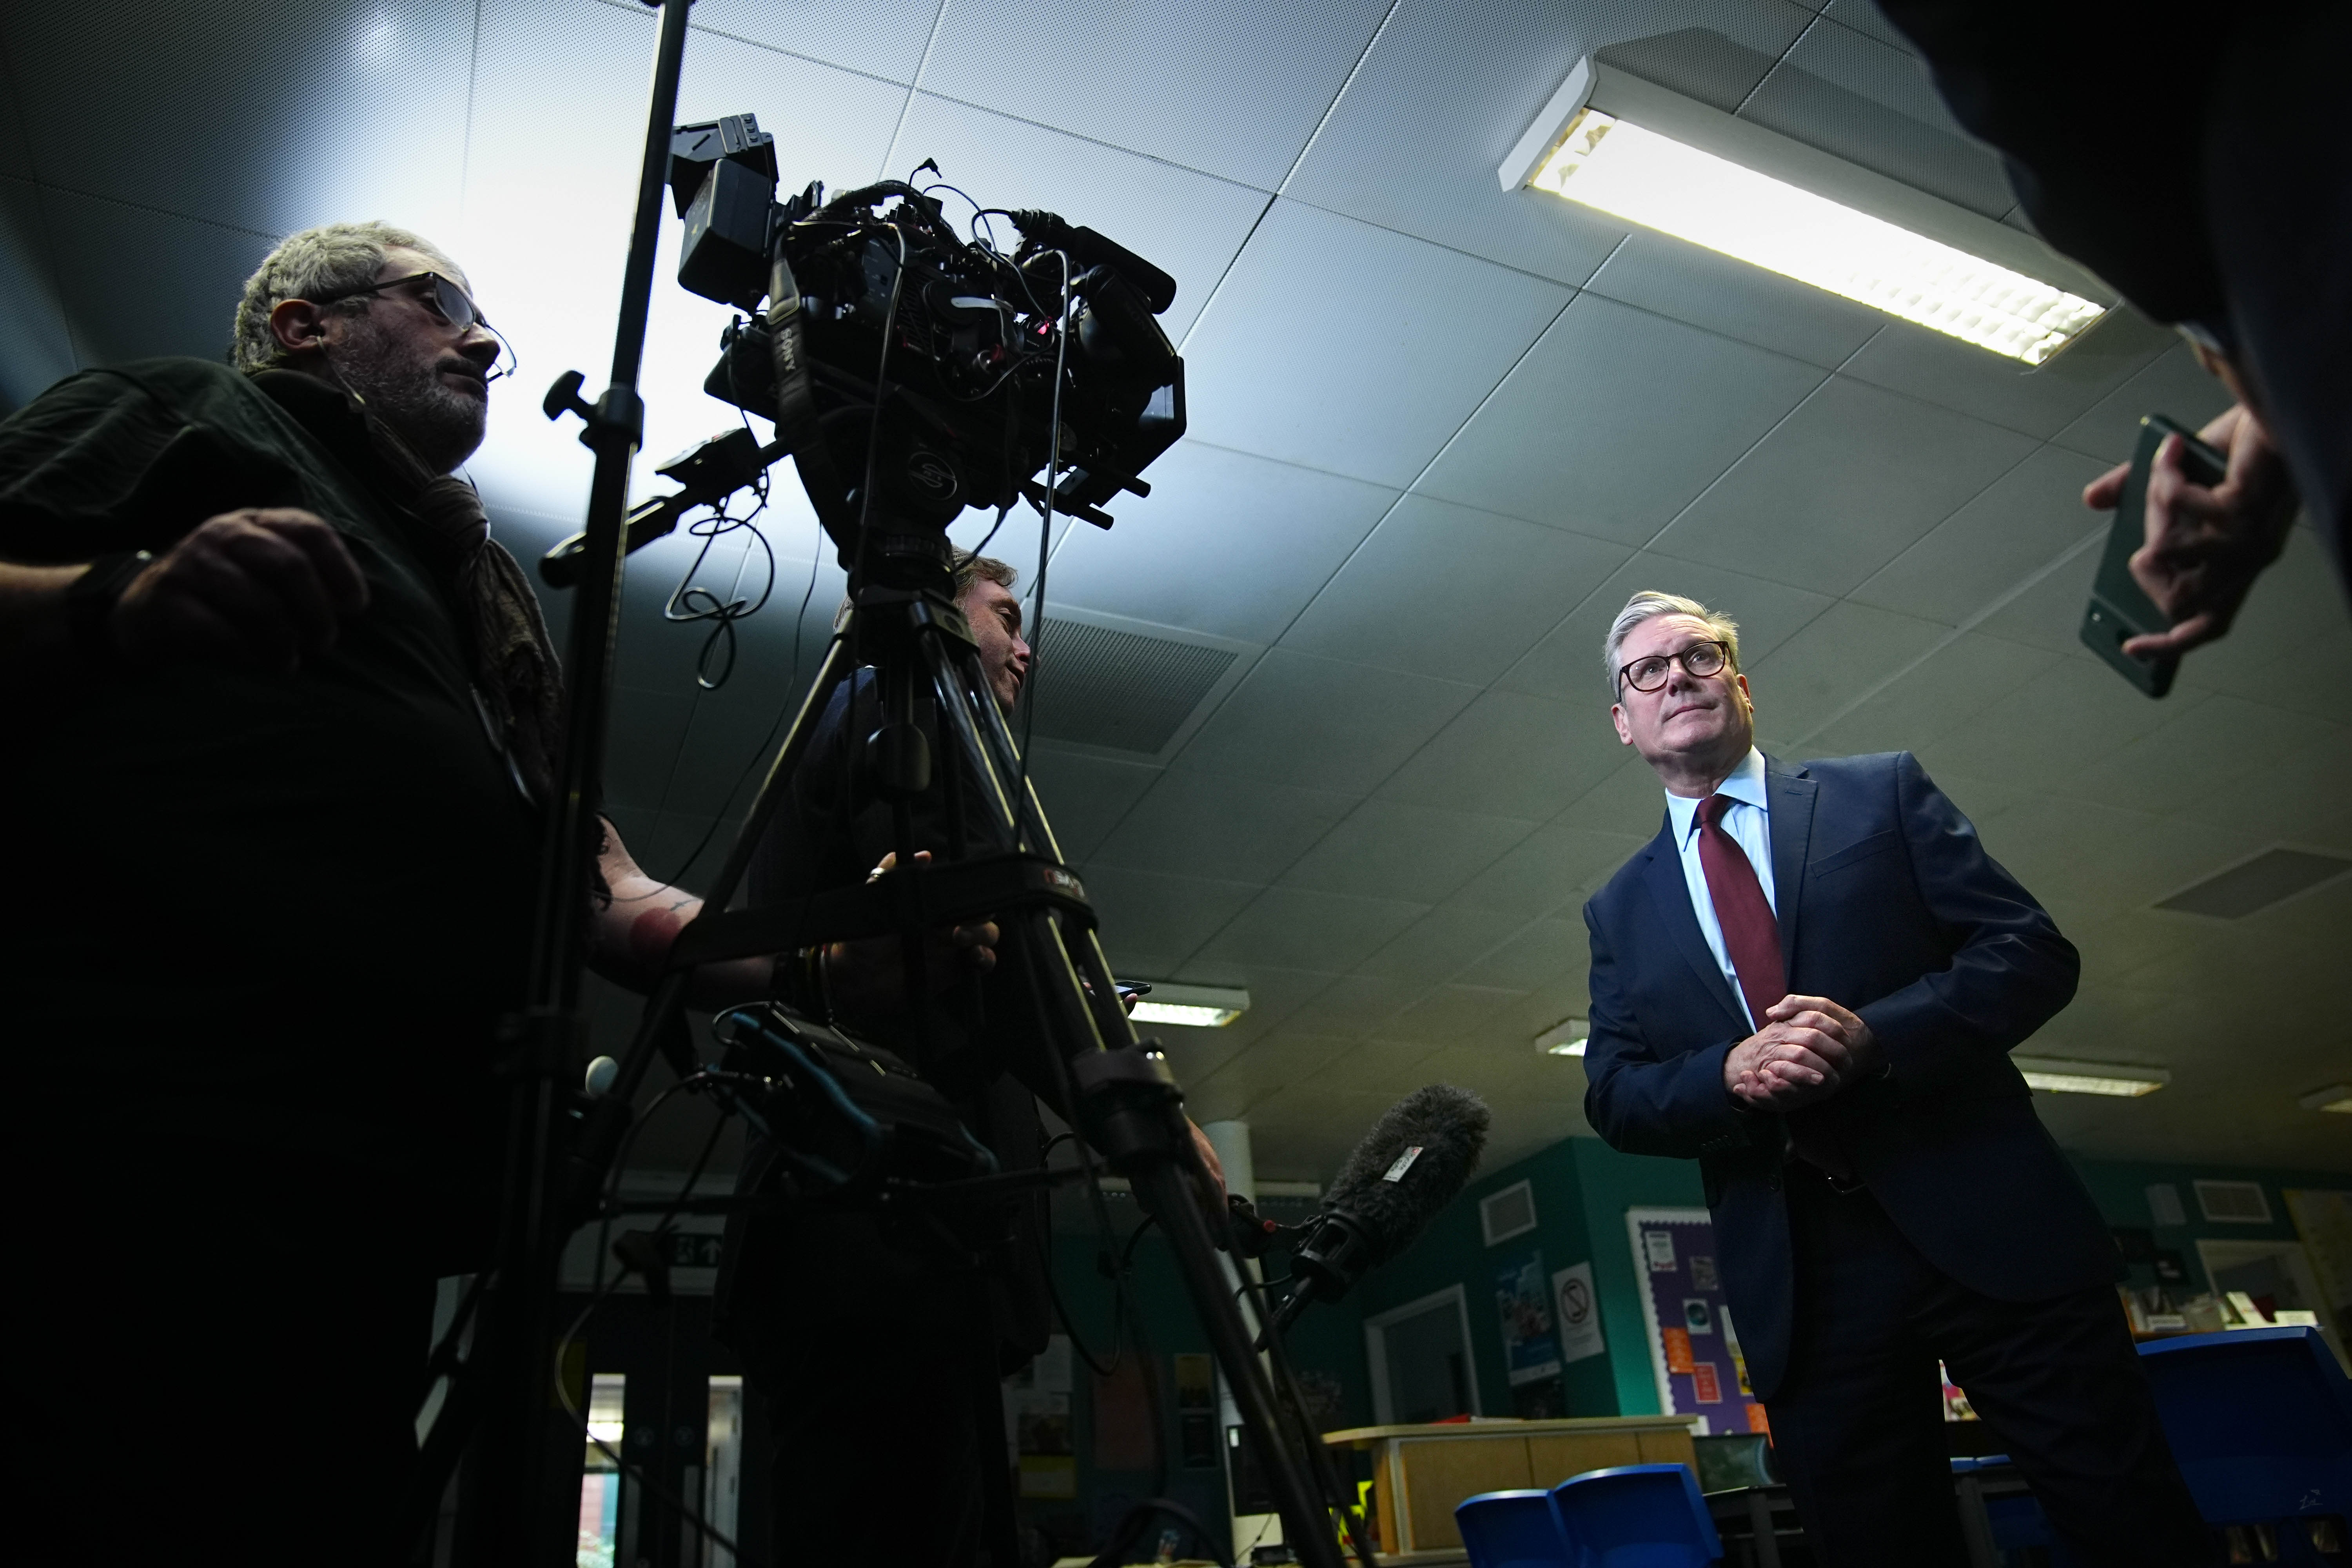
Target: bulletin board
1694,1347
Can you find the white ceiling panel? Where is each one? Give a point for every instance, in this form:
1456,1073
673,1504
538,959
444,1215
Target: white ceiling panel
2039,400
654,720
1188,224
2047,612
1205,825
1356,1005
1501,584
882,38
264,117
1413,142
1151,922
2019,524
2172,384
1387,344
1086,795
2198,753
1321,724
1671,277
1510,754
2298,801
1439,945
1849,481
1274,532
1388,849
1961,680
1548,870
1545,953
1443,1016
1874,104
1294,928
1227,86
1865,17
1616,420
1566,666
137,282
1628,803
1831,665
15,152
2056,724
36,350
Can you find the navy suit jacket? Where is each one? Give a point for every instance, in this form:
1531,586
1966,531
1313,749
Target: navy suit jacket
1889,904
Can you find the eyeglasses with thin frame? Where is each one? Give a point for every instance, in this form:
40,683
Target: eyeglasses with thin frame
444,298
1699,660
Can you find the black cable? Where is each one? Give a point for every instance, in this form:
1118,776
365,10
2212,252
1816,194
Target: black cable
689,602
1044,547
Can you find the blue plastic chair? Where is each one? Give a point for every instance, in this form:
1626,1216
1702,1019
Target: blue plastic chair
1637,1516
2260,1421
1512,1530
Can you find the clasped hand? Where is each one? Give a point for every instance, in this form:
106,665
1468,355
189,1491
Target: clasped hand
1808,1048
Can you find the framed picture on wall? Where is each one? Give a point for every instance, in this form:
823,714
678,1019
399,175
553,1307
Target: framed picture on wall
1695,1350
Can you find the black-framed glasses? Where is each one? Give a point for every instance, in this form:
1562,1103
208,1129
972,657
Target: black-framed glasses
446,299
1699,660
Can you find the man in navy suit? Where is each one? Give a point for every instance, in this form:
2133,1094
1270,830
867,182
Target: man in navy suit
1809,981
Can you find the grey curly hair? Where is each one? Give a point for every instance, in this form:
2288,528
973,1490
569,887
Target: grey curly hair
322,261
1646,605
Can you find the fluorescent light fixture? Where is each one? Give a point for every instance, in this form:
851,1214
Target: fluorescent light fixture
2335,1097
2053,1076
1635,150
1565,1038
1193,1006
606,1431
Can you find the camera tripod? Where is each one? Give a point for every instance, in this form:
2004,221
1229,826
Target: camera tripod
904,623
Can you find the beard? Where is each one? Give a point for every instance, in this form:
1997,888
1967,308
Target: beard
440,423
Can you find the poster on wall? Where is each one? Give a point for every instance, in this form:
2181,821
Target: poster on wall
1693,1345
1578,1308
1530,1355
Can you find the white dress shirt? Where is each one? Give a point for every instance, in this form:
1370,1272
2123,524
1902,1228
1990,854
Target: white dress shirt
1749,823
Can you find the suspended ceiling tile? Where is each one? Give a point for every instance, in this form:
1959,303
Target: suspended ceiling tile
1831,665
883,37
1391,1069
1321,724
1566,666
2299,800
2172,384
136,283
2198,753
1960,680
1540,955
2292,621
1875,105
2022,521
1086,795
1275,532
35,348
1298,929
1439,945
2043,734
1865,17
1450,591
1151,922
15,151
1357,1005
1511,755
1413,142
1616,420
1387,849
2048,612
1846,483
639,772
1209,825
264,117
1225,86
1659,273
1188,224
1445,1016
2039,400
1548,871
1352,306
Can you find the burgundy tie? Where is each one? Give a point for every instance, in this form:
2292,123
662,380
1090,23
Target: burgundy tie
1751,935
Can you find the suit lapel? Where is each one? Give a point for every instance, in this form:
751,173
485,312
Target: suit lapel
1791,796
1670,891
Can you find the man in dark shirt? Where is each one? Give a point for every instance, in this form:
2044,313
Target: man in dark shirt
280,716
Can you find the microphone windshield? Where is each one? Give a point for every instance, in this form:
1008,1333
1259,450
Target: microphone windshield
1413,1162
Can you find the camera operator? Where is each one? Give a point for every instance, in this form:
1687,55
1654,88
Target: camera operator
282,718
882,1354
2194,158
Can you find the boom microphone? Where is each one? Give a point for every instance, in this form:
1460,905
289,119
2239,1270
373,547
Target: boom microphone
1413,1162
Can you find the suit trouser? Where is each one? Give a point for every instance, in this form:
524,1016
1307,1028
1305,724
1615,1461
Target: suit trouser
1858,1425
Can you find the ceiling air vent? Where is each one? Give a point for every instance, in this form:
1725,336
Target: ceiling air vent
2233,1203
1506,1214
1101,687
2257,884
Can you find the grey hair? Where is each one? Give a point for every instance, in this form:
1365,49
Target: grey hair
327,259
1648,604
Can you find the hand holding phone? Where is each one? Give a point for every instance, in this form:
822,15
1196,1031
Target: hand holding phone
2120,611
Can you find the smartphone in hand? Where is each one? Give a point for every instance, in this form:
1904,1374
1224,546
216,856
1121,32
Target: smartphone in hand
2119,610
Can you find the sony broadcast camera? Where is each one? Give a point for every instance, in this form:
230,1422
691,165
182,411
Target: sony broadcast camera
911,373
